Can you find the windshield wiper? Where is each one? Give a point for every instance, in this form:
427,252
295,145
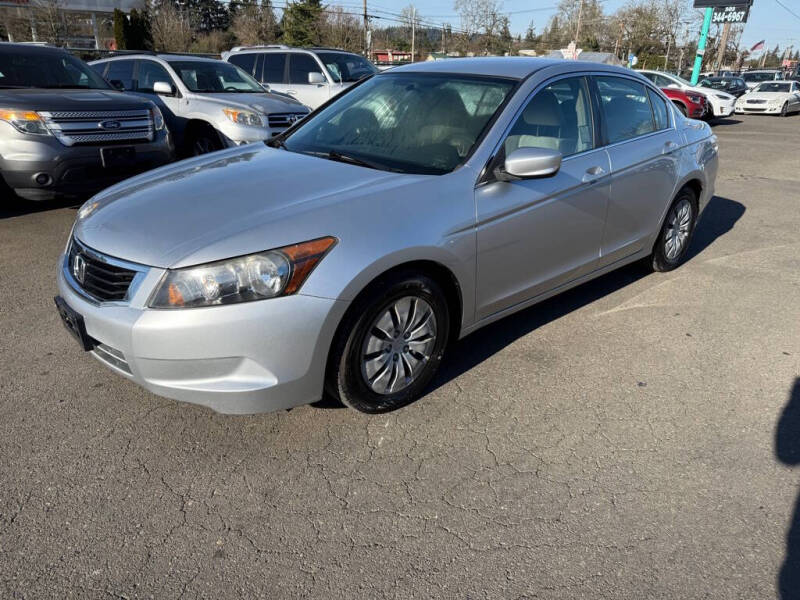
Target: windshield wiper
346,158
276,142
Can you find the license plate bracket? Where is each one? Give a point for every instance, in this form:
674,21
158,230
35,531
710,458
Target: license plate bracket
118,156
73,322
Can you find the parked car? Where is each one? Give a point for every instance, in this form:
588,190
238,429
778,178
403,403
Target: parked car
65,132
691,104
208,104
312,75
735,86
771,97
347,253
753,78
721,103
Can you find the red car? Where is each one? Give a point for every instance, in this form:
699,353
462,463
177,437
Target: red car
692,104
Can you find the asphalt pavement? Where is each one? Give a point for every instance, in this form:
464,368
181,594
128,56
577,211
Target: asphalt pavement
637,437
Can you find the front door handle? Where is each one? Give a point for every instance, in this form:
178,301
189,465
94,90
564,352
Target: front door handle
669,148
593,174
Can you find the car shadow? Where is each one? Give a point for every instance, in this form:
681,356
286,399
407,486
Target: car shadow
719,218
12,205
787,451
725,121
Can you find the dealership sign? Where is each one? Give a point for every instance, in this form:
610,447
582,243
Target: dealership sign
730,14
99,6
721,3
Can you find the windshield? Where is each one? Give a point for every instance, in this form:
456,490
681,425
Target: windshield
774,87
717,84
405,122
680,79
758,76
214,77
47,70
346,67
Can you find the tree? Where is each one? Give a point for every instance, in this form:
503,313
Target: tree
138,35
254,23
301,23
171,28
120,29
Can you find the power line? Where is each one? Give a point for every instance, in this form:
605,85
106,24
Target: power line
789,10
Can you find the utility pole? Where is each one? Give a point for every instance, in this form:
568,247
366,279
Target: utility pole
723,45
413,30
578,28
666,57
443,47
618,43
366,31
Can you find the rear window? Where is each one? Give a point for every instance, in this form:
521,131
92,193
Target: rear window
246,62
626,108
274,65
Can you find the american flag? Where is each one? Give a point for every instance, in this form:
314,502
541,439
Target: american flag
758,46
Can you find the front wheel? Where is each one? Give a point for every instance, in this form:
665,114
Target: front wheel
676,233
390,344
785,109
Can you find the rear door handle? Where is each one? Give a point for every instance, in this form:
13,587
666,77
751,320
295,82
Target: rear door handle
593,174
669,147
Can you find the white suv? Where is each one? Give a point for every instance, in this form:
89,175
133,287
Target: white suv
311,75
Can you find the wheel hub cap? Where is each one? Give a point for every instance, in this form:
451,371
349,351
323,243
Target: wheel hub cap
398,345
678,223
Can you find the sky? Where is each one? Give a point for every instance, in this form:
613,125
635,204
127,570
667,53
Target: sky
768,19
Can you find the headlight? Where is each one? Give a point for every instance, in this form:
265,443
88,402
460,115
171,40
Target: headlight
158,118
723,96
243,117
696,98
269,274
26,121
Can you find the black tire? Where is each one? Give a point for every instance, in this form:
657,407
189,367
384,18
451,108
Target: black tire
681,108
660,259
202,140
785,109
346,377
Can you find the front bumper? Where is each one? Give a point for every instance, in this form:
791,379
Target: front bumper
758,109
238,359
722,108
75,171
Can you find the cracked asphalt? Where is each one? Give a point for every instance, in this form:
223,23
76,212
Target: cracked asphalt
638,437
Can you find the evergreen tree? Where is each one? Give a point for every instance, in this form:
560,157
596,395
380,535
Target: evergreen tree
121,29
301,23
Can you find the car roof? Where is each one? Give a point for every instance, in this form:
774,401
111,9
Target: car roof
517,67
8,47
146,55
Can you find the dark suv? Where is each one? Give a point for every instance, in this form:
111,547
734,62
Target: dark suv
64,131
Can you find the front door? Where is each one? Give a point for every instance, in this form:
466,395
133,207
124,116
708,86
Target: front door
534,235
310,94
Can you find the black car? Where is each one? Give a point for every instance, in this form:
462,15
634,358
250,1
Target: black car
731,85
64,131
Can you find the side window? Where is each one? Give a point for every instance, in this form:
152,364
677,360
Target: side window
122,71
246,62
149,73
100,69
300,65
558,117
274,63
659,110
625,107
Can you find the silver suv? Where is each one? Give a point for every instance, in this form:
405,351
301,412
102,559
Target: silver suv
312,75
208,104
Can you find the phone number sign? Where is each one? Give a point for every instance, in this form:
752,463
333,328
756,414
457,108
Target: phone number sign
730,14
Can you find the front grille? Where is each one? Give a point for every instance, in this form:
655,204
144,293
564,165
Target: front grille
92,272
756,101
100,127
283,120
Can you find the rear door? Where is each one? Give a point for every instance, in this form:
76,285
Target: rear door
537,234
642,144
271,69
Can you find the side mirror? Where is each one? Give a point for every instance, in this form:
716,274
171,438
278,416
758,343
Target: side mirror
316,78
529,163
162,88
117,85
265,86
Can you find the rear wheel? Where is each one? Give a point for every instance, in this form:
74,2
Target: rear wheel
676,233
681,108
390,344
785,109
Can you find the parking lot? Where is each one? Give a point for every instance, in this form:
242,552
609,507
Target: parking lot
637,437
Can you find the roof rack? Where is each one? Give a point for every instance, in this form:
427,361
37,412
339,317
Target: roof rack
240,48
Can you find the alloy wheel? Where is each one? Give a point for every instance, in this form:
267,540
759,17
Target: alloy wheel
679,223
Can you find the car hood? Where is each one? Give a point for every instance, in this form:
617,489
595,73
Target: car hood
708,92
226,204
69,100
266,103
765,96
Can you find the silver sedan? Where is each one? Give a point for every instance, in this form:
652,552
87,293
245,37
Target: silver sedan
343,256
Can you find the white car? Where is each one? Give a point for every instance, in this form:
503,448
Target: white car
771,97
753,78
721,103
